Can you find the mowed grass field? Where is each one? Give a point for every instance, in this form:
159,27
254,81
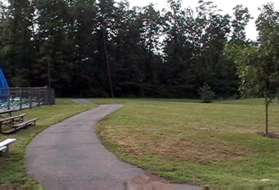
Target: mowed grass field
206,144
12,168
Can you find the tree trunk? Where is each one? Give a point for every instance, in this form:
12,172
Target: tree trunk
266,116
48,75
107,65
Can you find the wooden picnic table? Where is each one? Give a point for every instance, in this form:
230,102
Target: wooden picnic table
13,124
10,112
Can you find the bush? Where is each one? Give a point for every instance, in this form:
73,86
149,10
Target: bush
206,93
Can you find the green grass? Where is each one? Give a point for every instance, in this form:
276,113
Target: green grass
255,101
12,168
206,144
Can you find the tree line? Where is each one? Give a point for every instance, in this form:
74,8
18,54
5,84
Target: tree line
107,49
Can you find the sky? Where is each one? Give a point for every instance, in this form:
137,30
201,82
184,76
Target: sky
225,5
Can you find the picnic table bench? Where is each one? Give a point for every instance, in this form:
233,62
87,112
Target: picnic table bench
31,122
9,112
12,124
18,118
5,145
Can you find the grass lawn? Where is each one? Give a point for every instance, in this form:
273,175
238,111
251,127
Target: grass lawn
207,144
12,168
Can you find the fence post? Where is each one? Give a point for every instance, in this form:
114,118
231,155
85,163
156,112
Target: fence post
39,97
206,188
9,102
20,99
47,96
30,98
50,96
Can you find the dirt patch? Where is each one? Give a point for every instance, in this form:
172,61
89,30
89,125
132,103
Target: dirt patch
14,187
270,135
148,183
186,150
202,153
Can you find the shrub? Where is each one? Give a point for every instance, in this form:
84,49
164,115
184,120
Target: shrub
206,93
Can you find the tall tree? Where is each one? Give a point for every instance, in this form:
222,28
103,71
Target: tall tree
239,51
127,51
241,18
178,50
106,22
3,32
53,43
18,51
81,24
151,36
268,56
212,30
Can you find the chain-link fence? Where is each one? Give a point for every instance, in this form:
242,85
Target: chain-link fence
25,97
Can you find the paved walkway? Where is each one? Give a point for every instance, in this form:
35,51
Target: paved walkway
82,101
69,156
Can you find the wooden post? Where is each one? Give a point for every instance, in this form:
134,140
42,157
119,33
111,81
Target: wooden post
266,116
7,151
206,188
50,96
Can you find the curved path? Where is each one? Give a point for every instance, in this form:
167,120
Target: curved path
69,156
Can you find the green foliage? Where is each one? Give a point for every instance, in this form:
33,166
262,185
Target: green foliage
268,55
206,93
243,57
267,62
105,48
239,23
88,48
17,50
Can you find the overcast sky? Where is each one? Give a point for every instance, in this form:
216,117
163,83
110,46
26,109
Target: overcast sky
225,5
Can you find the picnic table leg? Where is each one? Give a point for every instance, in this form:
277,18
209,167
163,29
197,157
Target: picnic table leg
7,151
9,103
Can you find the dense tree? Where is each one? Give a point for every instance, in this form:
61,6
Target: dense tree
241,18
17,41
211,67
178,50
106,48
51,44
82,24
243,58
106,23
239,50
151,32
